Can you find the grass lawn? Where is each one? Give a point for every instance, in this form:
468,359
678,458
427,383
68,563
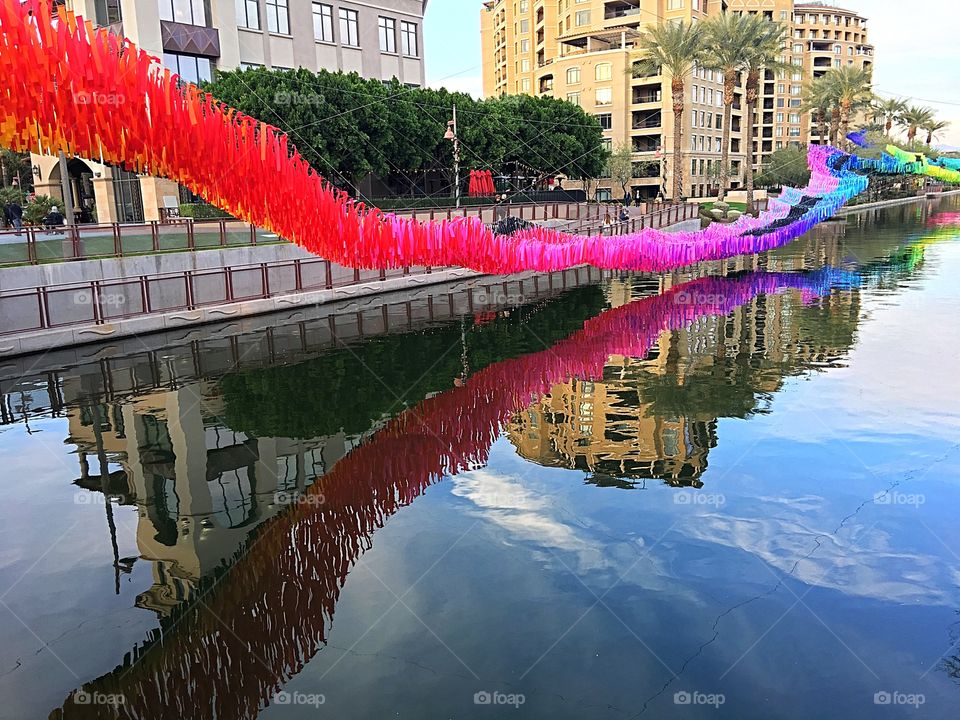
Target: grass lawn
733,206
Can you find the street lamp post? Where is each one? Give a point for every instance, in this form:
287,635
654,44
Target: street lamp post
452,135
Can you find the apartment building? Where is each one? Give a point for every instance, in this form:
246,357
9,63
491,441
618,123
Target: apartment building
583,51
375,38
821,37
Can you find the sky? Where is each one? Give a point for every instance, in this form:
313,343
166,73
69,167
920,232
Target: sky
916,44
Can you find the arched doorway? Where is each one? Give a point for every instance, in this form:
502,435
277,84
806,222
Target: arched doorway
80,182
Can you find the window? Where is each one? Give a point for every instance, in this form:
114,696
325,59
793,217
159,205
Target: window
703,120
387,29
837,63
709,120
695,119
795,103
250,66
524,6
606,121
524,65
188,67
278,18
780,132
524,26
718,145
779,102
408,39
582,18
524,46
798,48
796,77
248,14
607,145
693,142
793,132
796,89
107,12
323,22
781,88
604,96
574,98
837,49
719,122
693,165
604,72
349,27
525,85
794,117
674,4
573,75
188,12
780,117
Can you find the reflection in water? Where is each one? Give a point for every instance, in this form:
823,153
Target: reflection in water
258,493
250,629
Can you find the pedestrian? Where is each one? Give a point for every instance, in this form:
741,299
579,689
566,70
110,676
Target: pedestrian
624,214
607,222
15,212
54,219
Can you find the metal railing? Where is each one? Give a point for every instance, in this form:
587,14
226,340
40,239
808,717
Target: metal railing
103,301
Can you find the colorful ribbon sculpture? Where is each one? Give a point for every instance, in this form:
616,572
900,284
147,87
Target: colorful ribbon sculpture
89,92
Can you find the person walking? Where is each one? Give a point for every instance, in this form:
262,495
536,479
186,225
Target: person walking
54,219
14,211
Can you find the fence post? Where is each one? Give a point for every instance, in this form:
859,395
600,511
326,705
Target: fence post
191,240
188,282
298,276
253,234
223,232
117,241
265,279
154,236
329,275
95,300
32,246
145,293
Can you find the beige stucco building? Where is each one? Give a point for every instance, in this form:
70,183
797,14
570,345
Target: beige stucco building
376,38
583,51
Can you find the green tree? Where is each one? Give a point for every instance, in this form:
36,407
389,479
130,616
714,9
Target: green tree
620,167
851,89
889,110
672,48
819,100
913,118
933,127
786,166
729,37
763,55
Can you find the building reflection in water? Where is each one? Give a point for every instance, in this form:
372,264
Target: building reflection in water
245,585
655,417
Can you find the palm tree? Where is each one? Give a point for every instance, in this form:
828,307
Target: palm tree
933,127
728,40
889,109
763,55
850,87
672,48
913,118
818,99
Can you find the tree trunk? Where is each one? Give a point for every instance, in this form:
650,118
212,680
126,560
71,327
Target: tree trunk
929,137
729,83
753,79
844,123
677,88
889,125
834,125
822,125
911,133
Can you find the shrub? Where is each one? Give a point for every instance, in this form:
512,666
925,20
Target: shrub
202,211
38,208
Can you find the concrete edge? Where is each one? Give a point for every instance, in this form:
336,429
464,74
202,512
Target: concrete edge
53,338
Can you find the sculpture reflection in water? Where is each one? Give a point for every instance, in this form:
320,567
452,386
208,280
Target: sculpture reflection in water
256,618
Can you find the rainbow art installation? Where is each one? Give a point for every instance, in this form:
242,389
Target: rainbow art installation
86,91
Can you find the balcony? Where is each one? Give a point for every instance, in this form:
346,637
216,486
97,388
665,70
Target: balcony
646,144
647,120
190,39
642,96
546,84
621,9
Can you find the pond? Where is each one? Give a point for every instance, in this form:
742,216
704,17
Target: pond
729,492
